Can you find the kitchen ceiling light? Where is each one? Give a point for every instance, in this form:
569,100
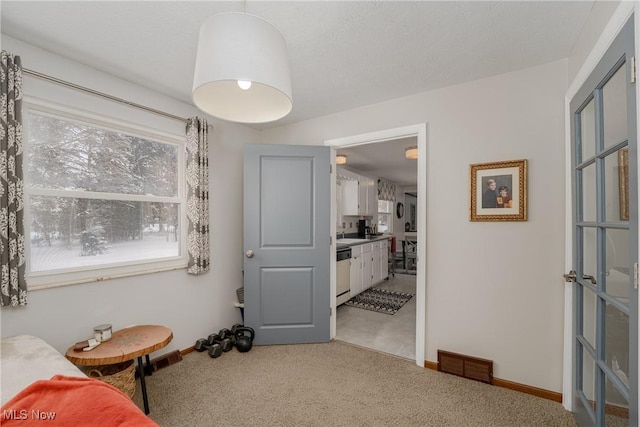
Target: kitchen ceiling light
411,153
341,159
242,70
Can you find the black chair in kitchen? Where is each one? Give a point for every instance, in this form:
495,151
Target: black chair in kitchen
409,256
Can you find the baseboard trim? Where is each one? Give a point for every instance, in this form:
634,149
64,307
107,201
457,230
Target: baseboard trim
523,388
187,350
431,365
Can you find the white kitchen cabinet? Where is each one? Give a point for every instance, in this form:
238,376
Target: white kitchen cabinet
375,255
349,188
367,196
367,266
384,259
356,271
380,261
359,195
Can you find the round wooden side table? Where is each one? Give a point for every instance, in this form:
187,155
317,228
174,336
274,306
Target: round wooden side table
126,344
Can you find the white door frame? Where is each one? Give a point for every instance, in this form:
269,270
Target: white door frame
420,132
617,21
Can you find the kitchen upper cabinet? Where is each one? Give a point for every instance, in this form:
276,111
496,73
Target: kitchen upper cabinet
349,192
367,196
358,192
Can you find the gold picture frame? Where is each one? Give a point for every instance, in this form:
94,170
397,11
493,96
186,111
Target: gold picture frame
623,183
498,191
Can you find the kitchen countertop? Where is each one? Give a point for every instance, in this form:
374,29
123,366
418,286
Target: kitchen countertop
354,242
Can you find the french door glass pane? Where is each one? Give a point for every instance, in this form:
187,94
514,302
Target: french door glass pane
614,101
589,193
588,131
617,258
617,407
617,342
589,316
589,378
589,251
616,181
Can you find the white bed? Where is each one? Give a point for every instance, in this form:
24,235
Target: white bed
25,359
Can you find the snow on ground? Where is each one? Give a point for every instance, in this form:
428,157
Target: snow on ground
60,256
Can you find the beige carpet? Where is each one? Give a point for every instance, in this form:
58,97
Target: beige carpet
334,384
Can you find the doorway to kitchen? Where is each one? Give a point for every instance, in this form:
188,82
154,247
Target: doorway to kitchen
403,333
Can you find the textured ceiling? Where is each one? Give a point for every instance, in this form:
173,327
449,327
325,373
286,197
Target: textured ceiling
342,54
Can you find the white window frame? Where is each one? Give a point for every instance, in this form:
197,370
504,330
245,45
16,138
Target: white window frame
70,276
390,213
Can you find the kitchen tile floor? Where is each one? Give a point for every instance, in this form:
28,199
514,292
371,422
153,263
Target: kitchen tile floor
393,334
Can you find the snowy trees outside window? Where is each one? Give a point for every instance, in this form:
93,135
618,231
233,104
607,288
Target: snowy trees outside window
99,196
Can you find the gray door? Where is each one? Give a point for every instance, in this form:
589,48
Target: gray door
287,243
605,241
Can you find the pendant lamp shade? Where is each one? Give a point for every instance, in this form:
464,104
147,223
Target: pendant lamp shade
233,50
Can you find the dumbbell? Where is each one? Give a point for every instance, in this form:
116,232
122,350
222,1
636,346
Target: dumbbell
228,334
214,350
225,342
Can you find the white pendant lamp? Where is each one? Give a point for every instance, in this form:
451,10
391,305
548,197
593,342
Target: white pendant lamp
411,153
242,70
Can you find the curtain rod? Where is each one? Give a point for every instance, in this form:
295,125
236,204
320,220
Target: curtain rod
101,94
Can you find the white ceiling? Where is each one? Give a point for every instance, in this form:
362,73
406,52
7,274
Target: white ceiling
343,54
384,160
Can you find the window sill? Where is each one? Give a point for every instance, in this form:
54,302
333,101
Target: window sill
47,282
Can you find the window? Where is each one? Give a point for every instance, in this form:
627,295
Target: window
101,199
385,216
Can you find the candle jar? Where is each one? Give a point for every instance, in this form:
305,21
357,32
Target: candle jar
102,333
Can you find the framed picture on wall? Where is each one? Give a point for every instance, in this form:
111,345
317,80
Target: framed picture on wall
498,191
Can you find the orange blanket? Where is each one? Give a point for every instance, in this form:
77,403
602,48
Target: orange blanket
72,401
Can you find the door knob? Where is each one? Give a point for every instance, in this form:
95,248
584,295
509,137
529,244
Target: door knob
249,253
570,277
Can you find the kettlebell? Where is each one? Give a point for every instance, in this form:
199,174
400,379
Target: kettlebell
244,342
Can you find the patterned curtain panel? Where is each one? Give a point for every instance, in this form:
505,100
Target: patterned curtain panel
13,287
386,190
198,196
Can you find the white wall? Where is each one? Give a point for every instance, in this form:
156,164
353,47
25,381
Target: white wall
494,290
192,306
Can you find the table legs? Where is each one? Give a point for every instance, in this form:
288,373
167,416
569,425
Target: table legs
142,369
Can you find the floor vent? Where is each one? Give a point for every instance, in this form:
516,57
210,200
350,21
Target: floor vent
465,366
166,360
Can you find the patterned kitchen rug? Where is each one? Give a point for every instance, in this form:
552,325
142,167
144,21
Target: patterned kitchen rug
380,300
